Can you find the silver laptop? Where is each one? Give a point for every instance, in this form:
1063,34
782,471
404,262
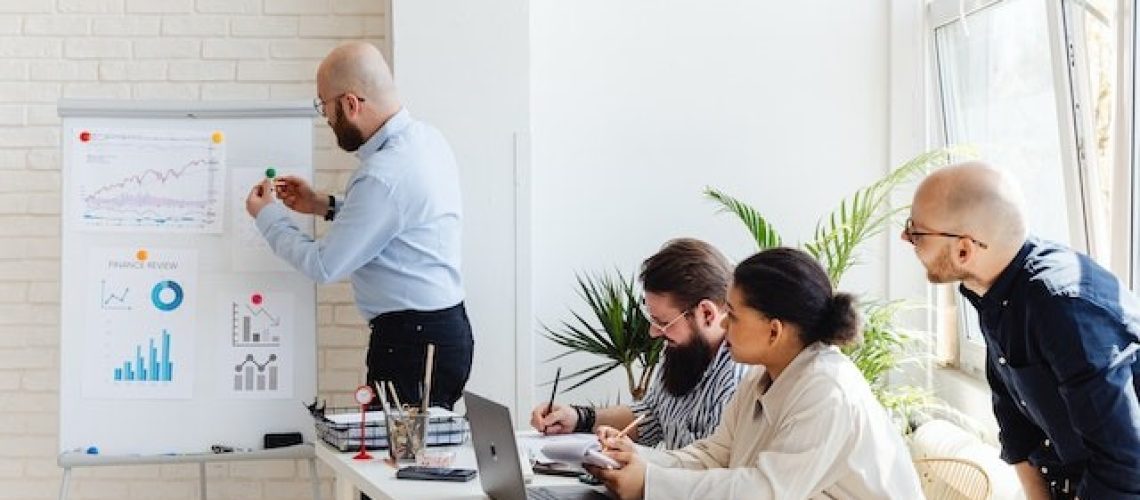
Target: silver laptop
497,456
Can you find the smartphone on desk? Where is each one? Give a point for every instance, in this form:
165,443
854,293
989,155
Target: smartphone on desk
435,473
558,469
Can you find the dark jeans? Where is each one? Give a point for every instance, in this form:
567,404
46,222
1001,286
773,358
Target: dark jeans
397,351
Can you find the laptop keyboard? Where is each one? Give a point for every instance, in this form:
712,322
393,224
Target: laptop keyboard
540,494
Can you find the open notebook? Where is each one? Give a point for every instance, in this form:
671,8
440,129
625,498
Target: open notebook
575,449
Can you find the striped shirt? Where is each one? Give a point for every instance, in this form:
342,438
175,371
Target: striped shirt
677,421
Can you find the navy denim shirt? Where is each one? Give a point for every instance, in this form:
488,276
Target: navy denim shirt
1062,335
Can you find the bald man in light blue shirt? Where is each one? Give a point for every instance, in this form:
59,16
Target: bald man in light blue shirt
395,234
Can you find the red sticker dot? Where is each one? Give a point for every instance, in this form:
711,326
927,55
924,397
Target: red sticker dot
256,299
85,136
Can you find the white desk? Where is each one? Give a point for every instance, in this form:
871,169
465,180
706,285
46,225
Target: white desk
70,460
378,480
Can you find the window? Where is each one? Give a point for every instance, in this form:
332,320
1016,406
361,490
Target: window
1090,32
997,89
1032,86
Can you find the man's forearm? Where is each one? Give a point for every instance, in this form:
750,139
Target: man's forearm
1032,482
617,417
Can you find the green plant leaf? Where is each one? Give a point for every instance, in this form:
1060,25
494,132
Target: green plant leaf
835,243
614,330
763,232
866,214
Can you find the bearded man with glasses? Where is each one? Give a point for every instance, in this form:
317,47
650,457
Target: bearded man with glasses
685,284
1062,335
395,233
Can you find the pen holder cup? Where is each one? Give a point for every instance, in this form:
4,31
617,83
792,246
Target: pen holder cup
406,434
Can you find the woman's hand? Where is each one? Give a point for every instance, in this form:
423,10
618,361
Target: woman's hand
627,482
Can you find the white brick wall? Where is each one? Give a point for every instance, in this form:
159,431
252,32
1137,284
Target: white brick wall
144,49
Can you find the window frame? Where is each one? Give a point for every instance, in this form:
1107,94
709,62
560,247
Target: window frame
1077,165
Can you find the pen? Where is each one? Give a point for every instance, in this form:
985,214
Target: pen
553,391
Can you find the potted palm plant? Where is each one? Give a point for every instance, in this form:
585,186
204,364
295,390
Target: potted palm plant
617,332
835,243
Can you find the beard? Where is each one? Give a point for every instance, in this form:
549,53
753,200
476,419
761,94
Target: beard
943,270
684,365
348,137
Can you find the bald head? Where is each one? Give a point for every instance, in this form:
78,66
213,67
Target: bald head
972,198
358,68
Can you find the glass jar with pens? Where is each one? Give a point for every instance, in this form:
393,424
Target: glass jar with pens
407,426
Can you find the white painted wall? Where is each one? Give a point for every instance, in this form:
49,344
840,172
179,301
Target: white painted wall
462,66
637,106
634,107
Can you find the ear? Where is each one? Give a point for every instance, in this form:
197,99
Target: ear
963,251
353,105
708,313
776,330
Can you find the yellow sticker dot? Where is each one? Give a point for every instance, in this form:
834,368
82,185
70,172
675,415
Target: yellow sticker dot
141,255
217,137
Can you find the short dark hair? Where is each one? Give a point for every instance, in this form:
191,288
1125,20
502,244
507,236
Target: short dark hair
790,285
688,270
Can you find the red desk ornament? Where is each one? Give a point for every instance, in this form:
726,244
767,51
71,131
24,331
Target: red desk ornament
363,395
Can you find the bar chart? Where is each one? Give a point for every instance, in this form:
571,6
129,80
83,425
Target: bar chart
253,376
255,326
151,365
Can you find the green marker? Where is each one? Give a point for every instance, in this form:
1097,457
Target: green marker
270,173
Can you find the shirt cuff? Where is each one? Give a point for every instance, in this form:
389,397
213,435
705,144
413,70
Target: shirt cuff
1013,452
269,215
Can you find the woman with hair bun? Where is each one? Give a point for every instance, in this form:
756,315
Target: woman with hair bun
803,424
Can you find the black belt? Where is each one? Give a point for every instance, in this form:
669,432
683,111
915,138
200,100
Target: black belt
411,315
409,323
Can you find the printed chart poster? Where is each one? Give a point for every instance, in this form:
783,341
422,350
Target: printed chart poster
258,359
139,332
250,251
141,180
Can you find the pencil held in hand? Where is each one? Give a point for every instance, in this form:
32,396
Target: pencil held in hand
623,432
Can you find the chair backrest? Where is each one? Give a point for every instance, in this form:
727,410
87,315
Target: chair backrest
948,478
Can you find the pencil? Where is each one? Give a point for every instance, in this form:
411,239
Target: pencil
631,425
396,398
627,429
553,391
429,367
380,396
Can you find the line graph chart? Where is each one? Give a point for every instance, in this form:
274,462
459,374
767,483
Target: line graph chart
144,180
111,300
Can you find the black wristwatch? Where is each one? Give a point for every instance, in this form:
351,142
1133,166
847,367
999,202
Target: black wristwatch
332,208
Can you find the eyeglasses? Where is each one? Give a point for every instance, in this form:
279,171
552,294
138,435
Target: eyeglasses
659,326
912,234
319,105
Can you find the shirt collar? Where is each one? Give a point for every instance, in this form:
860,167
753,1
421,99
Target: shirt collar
999,293
771,394
396,124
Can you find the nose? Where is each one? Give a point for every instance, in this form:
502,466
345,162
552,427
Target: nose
656,331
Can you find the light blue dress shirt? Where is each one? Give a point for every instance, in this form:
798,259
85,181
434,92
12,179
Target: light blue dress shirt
397,230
